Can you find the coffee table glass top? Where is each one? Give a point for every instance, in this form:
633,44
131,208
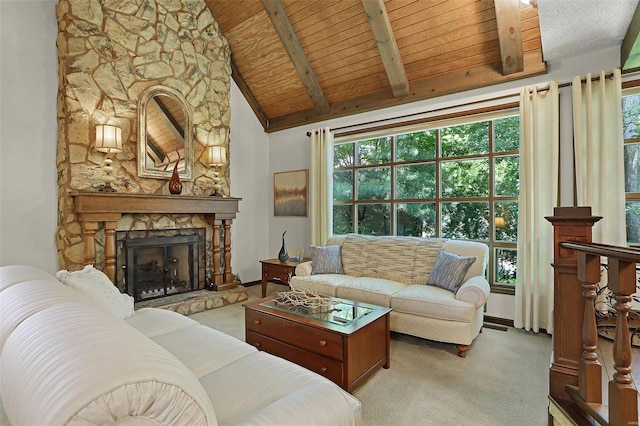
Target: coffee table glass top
341,313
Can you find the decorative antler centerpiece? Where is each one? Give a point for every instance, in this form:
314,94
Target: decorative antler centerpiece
305,299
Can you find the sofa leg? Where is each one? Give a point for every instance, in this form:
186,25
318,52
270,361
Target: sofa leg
462,350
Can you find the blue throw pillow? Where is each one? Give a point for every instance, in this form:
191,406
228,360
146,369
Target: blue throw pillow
326,260
449,270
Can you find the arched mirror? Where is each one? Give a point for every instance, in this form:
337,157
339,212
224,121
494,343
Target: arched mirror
164,134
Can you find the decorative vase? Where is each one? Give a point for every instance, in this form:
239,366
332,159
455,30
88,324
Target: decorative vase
283,255
175,186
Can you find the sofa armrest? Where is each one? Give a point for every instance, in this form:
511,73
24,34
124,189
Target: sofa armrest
475,290
304,269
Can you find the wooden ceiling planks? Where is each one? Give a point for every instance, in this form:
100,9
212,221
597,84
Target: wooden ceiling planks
445,46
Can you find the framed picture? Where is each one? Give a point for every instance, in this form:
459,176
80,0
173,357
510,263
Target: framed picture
291,193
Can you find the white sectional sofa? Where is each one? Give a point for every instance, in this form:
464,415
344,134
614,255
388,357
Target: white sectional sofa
394,271
64,359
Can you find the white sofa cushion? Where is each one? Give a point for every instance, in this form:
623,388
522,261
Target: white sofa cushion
430,301
99,288
152,322
203,350
376,291
257,386
324,284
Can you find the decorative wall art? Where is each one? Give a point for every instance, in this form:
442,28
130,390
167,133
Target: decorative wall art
291,193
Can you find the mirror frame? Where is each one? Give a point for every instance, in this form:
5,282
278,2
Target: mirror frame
149,93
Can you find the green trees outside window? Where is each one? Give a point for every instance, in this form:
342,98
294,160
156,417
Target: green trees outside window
631,133
458,181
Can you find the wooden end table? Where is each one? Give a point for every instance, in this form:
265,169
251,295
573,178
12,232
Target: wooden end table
273,269
347,342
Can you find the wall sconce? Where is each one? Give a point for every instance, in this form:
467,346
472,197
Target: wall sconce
109,141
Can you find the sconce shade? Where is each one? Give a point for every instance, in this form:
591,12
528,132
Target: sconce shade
217,155
108,138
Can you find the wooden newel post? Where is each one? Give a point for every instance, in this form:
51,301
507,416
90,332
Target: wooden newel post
570,224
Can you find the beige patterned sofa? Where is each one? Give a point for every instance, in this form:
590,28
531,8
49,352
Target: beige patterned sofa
67,359
393,272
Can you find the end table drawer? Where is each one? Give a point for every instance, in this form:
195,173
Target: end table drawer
326,367
279,272
306,337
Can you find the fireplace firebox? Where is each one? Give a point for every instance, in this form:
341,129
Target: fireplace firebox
160,263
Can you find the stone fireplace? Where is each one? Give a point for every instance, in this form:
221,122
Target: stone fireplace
109,53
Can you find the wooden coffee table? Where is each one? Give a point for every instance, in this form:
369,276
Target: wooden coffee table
347,344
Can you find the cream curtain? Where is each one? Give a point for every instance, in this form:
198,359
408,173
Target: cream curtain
539,152
321,185
599,155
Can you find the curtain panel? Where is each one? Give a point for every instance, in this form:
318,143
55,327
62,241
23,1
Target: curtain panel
539,158
599,153
321,185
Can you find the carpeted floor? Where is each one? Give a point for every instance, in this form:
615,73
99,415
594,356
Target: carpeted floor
502,381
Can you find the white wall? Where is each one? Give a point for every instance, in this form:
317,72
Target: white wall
289,149
249,157
28,133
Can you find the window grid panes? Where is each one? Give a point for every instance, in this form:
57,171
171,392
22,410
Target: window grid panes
460,182
631,133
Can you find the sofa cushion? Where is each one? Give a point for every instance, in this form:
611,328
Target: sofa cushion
434,302
249,390
99,288
376,291
203,350
404,259
325,284
152,322
450,270
326,260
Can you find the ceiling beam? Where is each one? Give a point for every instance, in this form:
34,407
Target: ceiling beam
630,48
386,41
294,49
510,35
445,84
248,95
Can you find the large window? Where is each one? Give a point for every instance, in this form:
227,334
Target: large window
631,132
457,181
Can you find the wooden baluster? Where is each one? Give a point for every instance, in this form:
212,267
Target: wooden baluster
110,250
228,275
216,275
590,370
89,229
623,398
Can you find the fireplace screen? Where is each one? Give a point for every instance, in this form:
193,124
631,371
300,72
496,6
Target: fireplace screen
157,266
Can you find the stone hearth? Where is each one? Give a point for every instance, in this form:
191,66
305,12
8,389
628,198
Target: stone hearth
197,301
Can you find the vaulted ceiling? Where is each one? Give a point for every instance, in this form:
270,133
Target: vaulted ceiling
304,61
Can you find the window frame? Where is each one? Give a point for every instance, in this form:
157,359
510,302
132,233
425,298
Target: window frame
631,89
451,120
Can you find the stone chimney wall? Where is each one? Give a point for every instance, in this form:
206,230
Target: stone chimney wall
109,52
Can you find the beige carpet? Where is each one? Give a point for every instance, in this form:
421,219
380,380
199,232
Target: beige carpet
502,381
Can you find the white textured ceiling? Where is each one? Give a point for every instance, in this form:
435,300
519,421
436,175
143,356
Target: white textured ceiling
573,27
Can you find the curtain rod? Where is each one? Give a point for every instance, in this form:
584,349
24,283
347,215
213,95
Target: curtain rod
382,120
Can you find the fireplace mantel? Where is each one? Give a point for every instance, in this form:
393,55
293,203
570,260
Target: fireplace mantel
93,208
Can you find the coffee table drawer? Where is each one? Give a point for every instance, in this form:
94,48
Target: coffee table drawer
303,336
326,367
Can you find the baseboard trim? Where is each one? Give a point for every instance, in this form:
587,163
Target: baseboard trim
499,321
250,283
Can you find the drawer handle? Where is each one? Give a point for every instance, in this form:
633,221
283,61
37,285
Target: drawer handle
257,322
323,369
323,343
